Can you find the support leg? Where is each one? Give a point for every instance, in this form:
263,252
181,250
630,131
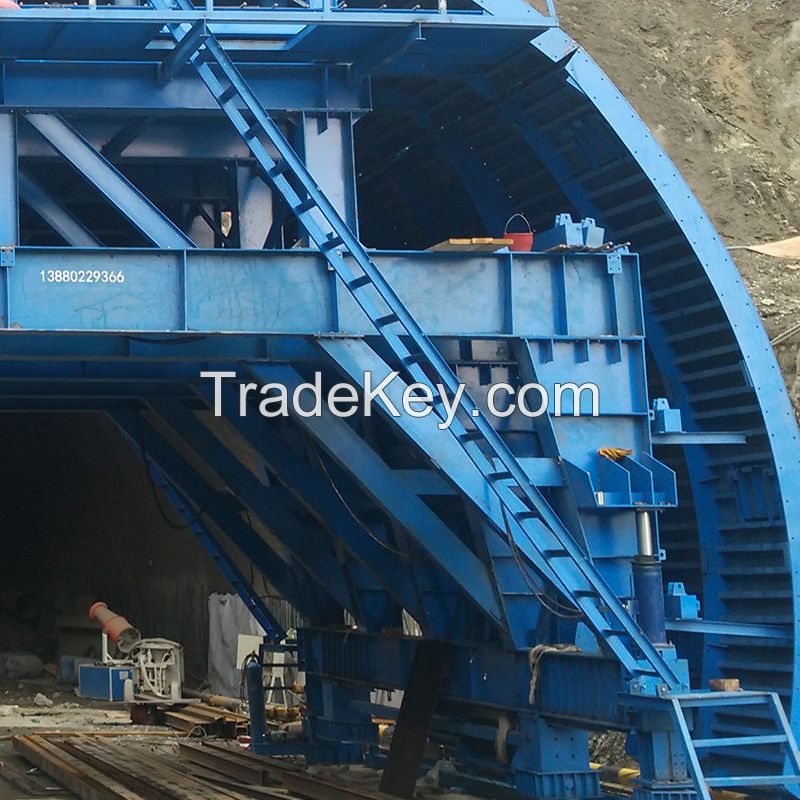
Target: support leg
416,712
553,762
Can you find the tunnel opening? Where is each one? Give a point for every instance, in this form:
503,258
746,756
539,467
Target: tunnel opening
82,524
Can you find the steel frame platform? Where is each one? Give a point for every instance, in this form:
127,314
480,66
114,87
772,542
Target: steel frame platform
215,189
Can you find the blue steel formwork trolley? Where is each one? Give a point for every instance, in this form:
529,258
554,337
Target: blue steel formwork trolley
257,191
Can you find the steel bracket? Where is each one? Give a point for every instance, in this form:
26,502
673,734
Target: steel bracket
614,262
8,256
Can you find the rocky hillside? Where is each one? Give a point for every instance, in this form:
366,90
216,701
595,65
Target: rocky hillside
718,82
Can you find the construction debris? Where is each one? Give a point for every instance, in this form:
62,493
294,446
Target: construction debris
43,701
785,248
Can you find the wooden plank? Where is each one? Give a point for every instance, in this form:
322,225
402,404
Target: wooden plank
172,771
81,779
184,722
725,685
142,734
786,248
215,714
250,790
266,762
472,245
122,774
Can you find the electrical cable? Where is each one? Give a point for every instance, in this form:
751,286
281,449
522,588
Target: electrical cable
350,511
154,490
568,611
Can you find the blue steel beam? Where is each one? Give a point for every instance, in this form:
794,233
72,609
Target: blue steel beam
387,47
517,10
186,355
220,291
125,197
178,58
256,21
125,136
551,448
54,214
224,562
9,192
127,88
220,510
356,457
93,390
375,558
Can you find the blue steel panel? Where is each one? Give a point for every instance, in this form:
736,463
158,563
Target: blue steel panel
576,293
39,300
282,292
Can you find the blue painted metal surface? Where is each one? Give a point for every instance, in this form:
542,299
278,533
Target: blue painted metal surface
313,154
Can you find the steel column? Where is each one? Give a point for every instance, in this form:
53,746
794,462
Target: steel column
9,192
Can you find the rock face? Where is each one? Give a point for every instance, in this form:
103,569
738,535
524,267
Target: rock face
718,82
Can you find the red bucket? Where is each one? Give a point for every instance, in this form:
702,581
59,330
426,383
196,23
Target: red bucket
520,242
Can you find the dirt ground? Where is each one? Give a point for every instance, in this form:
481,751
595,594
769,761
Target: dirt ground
718,83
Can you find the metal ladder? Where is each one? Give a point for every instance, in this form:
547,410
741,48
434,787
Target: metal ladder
783,737
559,557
